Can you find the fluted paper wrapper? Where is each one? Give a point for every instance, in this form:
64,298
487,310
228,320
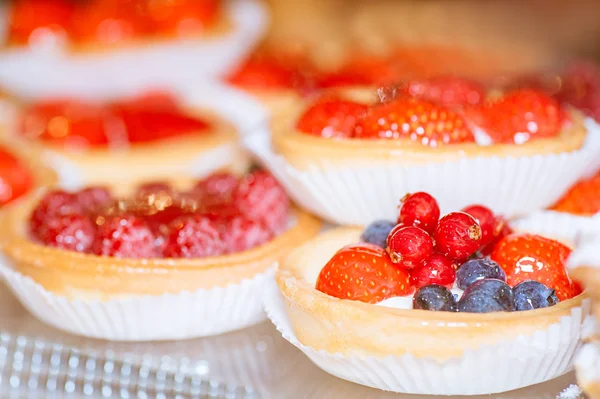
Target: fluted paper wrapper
186,59
506,366
183,315
565,227
357,195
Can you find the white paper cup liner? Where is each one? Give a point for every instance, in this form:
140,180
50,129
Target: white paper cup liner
509,365
357,195
183,315
571,229
176,60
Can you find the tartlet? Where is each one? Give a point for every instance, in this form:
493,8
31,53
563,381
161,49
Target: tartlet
136,296
461,354
214,145
344,179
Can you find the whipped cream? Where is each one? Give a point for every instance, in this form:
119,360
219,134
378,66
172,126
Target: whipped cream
405,302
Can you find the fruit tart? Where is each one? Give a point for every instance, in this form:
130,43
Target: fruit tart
584,264
461,301
147,136
125,263
105,40
347,155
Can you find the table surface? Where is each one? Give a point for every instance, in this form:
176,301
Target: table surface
39,361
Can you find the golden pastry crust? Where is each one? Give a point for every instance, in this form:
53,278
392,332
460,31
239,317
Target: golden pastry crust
305,151
590,278
160,159
353,328
78,275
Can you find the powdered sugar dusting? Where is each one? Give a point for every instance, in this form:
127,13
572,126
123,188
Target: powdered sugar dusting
571,392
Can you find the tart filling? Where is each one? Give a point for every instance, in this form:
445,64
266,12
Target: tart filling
216,232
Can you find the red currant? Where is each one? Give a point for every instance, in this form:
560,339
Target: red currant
486,219
409,246
458,236
437,270
501,230
421,210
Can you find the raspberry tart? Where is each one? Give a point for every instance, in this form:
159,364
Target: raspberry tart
135,265
106,40
346,155
145,135
359,302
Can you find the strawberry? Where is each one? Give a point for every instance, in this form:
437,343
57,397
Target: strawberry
418,120
15,178
264,72
531,257
448,91
361,70
30,18
519,116
331,118
581,199
581,88
180,17
363,273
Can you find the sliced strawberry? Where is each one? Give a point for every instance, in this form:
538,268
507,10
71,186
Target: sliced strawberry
581,199
332,118
151,100
448,91
15,178
180,17
520,116
531,257
361,70
265,72
363,273
581,88
417,120
30,19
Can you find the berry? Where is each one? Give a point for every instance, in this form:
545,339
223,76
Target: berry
449,91
437,270
488,295
331,118
15,178
94,198
458,236
74,232
531,295
216,187
503,229
32,20
363,273
240,234
377,233
181,17
490,227
531,257
434,297
520,116
264,73
581,88
194,236
420,210
409,246
478,269
260,197
416,120
55,202
581,199
124,236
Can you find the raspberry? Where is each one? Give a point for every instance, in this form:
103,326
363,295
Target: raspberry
216,188
260,197
458,236
409,246
56,202
94,198
74,232
125,236
194,236
420,210
240,233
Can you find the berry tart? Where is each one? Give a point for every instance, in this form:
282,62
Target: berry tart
134,264
143,134
346,155
455,300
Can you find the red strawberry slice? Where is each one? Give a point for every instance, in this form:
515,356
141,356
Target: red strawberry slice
332,118
180,17
581,199
30,19
363,273
531,257
418,120
264,72
448,91
15,178
520,116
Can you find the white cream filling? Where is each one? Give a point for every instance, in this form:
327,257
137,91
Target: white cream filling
405,302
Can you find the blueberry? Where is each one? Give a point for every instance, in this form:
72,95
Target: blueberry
478,269
531,295
377,232
434,297
488,295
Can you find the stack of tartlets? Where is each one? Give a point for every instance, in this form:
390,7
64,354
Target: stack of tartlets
50,42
